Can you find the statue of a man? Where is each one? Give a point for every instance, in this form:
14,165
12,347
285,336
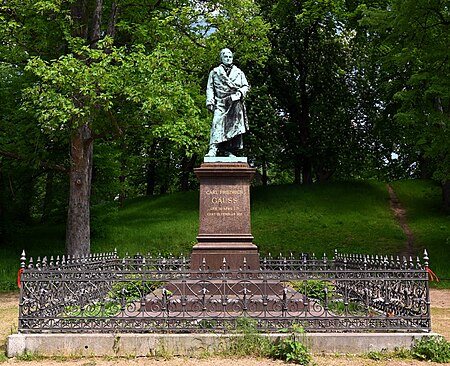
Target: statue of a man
225,93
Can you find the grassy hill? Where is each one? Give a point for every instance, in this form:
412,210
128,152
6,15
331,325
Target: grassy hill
353,217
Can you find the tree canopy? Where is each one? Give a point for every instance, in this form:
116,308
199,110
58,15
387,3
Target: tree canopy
104,99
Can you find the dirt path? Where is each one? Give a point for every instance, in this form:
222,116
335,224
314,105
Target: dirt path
400,215
440,313
319,361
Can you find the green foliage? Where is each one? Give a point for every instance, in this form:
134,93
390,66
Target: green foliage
414,37
313,289
314,89
134,77
337,87
398,353
324,292
435,349
105,309
72,91
132,288
291,350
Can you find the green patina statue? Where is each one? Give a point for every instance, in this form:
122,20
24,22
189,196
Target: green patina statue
225,93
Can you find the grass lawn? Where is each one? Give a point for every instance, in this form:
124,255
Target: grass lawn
353,217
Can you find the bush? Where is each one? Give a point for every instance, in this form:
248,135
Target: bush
314,289
293,351
436,349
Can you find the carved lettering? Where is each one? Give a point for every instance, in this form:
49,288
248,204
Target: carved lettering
224,214
225,191
224,200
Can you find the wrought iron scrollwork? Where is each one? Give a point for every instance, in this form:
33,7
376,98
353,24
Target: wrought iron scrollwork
141,293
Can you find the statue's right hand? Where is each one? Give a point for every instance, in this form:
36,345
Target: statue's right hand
211,107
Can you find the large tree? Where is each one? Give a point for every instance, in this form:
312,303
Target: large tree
105,70
415,38
311,72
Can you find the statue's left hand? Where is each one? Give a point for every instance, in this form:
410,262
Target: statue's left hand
236,96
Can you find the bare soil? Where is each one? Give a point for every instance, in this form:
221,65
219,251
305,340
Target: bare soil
440,314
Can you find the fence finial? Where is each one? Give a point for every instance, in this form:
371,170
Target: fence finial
23,258
425,258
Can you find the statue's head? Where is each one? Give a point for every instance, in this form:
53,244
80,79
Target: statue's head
226,56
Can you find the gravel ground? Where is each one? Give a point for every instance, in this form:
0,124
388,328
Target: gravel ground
440,303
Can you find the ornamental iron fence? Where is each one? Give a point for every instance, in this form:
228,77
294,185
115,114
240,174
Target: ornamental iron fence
140,294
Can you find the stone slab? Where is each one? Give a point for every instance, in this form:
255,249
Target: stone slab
129,344
225,159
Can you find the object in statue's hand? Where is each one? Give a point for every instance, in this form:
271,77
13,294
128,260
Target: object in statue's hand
236,96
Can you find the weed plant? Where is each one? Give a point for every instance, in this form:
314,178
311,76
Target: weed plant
247,341
291,350
398,353
435,349
327,295
123,293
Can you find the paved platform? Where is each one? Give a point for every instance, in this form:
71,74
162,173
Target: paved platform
129,344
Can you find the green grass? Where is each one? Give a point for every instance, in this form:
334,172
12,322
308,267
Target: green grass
162,224
353,217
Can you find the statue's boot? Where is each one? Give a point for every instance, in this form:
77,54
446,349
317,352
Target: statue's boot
229,154
212,150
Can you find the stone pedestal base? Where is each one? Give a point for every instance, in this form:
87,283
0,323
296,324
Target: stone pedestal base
224,238
229,258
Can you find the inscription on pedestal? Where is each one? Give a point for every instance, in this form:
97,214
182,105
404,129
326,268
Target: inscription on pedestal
225,230
224,209
225,203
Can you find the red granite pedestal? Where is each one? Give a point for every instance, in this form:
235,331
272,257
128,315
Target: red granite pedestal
224,237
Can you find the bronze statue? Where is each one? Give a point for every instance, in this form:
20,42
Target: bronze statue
225,93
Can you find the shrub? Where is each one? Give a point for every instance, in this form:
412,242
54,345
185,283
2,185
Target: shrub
436,349
314,289
291,350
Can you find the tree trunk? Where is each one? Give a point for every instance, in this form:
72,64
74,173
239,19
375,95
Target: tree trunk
446,196
265,179
78,217
150,178
187,166
307,171
2,201
122,179
303,170
48,195
297,172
